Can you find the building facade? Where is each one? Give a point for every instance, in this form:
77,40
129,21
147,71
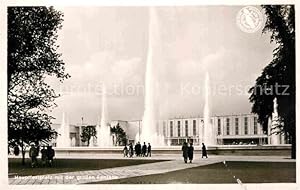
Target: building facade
228,130
239,129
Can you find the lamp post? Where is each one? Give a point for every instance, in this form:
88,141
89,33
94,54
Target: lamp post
80,131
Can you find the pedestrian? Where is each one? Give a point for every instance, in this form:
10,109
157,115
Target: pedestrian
44,155
50,155
204,152
139,148
125,151
33,153
130,150
149,150
136,149
185,151
191,152
16,150
144,150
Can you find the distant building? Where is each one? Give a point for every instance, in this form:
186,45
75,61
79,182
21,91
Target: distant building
228,130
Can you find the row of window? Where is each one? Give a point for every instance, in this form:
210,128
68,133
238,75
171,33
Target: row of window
179,128
246,127
236,123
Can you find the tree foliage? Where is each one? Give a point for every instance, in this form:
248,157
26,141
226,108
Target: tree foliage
87,133
280,23
120,135
32,56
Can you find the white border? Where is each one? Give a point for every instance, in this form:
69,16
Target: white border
3,89
144,2
3,97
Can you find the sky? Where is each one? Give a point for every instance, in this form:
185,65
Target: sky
109,45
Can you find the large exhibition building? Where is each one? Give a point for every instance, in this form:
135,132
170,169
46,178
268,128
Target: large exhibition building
228,130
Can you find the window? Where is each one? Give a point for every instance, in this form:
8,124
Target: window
255,125
178,123
246,125
219,126
171,128
236,126
164,128
194,128
227,126
186,128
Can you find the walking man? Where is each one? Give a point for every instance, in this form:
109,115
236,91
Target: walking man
139,149
44,155
204,152
136,150
33,153
191,152
130,150
50,155
125,151
144,150
185,151
149,150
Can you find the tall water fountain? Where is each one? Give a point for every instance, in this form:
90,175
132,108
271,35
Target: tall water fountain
149,131
273,122
104,138
63,139
209,137
92,142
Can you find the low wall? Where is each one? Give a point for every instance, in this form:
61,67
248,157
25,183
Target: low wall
267,150
246,150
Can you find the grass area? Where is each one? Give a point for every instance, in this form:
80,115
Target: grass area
247,172
71,165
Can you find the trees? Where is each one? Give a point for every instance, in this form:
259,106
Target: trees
87,133
281,71
32,56
120,135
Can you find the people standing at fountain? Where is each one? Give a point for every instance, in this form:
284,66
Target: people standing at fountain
138,149
204,152
185,151
44,156
125,151
33,153
144,150
16,150
130,150
191,152
149,150
50,155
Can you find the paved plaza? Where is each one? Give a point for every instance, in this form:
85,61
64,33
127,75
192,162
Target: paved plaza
175,163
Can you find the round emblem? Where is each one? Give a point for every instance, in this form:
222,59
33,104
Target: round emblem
249,19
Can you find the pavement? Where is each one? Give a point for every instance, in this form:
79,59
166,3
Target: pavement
175,163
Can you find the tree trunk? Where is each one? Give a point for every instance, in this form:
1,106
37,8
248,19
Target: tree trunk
23,153
293,153
23,157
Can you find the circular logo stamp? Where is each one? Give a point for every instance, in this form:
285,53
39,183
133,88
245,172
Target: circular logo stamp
249,19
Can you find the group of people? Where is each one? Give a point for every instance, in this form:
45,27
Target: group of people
188,152
47,155
138,150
